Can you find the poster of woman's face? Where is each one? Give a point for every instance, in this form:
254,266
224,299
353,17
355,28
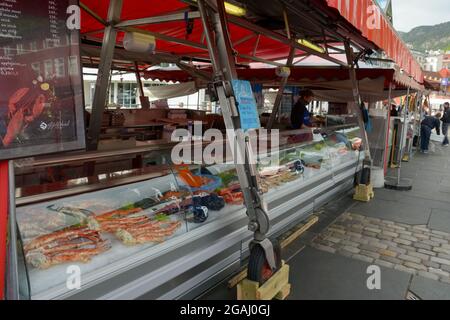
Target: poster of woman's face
41,101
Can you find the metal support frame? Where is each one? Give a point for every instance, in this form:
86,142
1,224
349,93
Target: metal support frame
256,59
388,128
197,73
159,19
401,152
145,104
4,193
220,50
280,93
93,14
244,39
12,270
9,282
193,44
101,86
399,183
417,108
337,31
255,48
138,79
281,38
357,100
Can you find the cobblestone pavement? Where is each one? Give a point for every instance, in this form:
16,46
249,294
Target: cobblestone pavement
415,249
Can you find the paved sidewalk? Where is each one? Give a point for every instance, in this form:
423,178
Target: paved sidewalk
407,234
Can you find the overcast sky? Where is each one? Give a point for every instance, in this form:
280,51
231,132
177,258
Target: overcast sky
413,13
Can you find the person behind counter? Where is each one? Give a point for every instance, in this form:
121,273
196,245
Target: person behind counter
300,115
428,124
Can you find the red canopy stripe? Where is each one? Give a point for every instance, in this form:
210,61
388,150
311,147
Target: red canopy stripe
384,35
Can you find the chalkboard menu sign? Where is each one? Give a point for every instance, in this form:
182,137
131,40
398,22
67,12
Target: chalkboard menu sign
41,95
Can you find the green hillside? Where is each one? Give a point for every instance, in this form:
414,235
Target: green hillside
429,37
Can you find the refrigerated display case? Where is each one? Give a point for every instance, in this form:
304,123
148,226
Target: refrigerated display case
173,231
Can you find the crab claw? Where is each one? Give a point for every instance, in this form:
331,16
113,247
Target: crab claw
14,99
38,107
15,126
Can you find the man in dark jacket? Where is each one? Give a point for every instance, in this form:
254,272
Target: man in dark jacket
428,124
445,123
300,115
394,112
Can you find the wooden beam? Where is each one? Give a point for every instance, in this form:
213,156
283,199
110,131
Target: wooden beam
297,233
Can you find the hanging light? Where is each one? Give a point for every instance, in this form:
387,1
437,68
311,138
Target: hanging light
311,45
233,9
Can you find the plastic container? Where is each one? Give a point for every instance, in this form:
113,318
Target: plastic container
377,176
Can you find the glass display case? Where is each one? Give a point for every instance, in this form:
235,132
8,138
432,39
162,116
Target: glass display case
117,226
301,161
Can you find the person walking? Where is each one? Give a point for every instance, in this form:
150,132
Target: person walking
394,112
428,124
445,123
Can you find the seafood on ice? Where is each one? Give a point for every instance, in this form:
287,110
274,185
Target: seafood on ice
34,223
133,226
116,224
267,183
69,245
76,216
153,231
232,194
116,214
271,171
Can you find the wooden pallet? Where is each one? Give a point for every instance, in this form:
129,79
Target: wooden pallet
277,287
364,193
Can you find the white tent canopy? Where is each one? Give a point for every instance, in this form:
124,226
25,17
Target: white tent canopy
155,93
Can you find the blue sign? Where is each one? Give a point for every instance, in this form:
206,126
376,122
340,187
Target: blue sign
444,82
246,104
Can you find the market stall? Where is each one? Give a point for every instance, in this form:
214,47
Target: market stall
172,231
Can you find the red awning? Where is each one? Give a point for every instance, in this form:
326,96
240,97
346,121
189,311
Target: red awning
380,31
245,42
267,48
268,75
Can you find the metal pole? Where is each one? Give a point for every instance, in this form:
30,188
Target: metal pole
213,55
198,99
101,86
388,127
399,183
413,114
12,292
224,69
4,193
357,100
402,136
145,104
138,79
279,97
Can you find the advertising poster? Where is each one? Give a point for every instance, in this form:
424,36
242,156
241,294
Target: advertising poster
41,96
246,104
